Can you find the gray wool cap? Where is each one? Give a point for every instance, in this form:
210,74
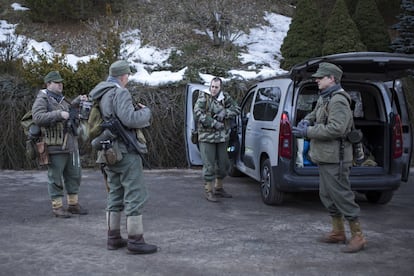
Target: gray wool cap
119,68
328,69
53,76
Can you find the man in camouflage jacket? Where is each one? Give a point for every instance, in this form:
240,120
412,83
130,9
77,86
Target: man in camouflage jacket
213,112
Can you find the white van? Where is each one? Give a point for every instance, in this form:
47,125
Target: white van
263,147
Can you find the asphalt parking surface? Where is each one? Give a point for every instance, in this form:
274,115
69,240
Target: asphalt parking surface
238,236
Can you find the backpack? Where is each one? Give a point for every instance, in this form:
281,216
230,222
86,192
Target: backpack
33,134
94,125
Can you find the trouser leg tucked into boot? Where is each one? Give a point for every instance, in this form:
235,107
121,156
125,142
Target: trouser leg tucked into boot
208,189
58,210
74,207
115,240
219,190
357,242
136,243
337,235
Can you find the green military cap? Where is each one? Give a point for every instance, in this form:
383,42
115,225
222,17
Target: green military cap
53,76
328,69
119,68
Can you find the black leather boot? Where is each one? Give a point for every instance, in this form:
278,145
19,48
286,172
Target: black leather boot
137,245
115,241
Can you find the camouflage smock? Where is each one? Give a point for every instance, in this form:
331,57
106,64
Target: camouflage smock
205,108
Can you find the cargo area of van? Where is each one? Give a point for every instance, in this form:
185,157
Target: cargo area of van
371,116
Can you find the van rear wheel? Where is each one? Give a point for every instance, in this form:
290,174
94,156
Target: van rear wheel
269,192
379,197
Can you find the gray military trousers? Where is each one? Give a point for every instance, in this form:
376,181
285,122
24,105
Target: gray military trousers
126,185
335,191
64,172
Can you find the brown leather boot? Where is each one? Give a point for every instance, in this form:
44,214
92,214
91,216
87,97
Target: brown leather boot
222,193
208,188
357,242
58,210
61,213
77,209
219,190
137,245
115,241
333,237
337,235
74,207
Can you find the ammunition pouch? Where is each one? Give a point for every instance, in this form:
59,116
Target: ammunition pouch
110,153
354,136
54,135
43,153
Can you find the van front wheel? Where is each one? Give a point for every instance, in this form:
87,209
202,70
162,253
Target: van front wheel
379,197
269,192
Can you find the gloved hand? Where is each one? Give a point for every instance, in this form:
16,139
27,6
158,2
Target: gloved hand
303,123
299,131
218,125
220,116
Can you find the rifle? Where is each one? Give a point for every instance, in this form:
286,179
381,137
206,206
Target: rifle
116,127
73,122
71,125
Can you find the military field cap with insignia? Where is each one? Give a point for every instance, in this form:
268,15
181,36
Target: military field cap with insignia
119,68
328,69
53,76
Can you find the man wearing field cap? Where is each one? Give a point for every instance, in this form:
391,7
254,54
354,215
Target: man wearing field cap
127,191
326,127
50,111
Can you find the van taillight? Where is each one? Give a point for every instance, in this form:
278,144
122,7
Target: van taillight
397,138
285,137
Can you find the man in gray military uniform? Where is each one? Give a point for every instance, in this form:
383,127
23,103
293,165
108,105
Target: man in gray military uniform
50,111
127,191
326,127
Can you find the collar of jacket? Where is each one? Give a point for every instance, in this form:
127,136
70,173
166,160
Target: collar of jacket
114,80
220,96
58,97
328,91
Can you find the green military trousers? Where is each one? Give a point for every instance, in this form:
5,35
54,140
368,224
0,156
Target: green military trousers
64,172
335,191
127,191
215,160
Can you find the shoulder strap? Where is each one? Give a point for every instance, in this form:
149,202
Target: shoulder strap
342,93
49,106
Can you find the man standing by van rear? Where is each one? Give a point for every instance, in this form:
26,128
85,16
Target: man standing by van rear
326,126
213,111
